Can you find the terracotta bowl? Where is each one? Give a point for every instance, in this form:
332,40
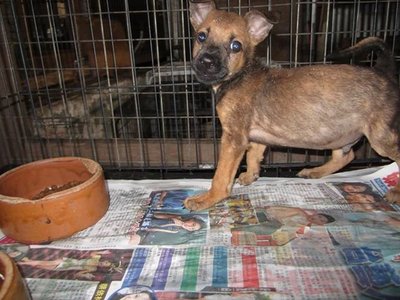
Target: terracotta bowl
51,199
12,286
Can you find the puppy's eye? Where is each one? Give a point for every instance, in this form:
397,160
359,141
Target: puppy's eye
201,37
236,46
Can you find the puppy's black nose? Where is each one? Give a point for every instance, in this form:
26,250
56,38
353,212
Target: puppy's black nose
207,60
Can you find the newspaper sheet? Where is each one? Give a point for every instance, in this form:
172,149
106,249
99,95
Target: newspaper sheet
279,238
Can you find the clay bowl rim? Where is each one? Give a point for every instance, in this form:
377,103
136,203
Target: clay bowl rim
10,273
98,172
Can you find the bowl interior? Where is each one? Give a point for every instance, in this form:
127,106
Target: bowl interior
36,180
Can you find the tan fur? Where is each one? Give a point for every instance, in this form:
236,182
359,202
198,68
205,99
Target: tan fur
317,107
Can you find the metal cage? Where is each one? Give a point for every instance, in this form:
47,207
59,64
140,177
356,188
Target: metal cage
112,81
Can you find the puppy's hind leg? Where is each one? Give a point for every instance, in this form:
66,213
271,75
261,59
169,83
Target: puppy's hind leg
388,145
254,156
393,195
340,158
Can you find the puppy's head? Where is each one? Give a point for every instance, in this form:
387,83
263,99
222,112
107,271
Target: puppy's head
224,41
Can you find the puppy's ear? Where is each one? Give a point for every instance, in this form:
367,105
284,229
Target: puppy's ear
258,26
199,11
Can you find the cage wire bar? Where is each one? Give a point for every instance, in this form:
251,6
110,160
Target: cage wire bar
112,81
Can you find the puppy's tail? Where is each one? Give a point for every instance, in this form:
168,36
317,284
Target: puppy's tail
385,62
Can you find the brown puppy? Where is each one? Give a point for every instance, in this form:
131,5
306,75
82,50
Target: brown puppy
317,107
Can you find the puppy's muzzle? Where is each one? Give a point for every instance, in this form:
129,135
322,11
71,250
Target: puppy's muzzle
208,62
209,68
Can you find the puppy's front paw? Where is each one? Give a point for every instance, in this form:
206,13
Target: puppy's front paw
247,178
310,173
199,202
393,196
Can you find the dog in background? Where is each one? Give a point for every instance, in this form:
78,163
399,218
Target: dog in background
315,107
